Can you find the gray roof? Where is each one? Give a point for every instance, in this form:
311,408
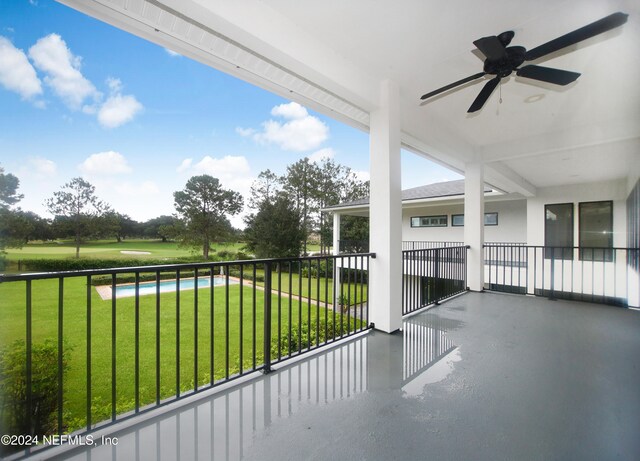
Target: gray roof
439,189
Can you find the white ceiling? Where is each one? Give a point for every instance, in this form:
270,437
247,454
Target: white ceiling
332,55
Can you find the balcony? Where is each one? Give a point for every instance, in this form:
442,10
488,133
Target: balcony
178,372
482,376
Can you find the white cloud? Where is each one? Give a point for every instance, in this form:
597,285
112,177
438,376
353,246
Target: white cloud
42,167
245,132
172,53
322,154
118,110
114,84
185,165
300,132
291,110
16,72
227,167
105,163
51,55
362,175
296,135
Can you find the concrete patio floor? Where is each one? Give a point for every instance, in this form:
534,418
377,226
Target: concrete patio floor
482,376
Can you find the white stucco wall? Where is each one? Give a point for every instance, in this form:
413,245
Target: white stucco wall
610,190
512,222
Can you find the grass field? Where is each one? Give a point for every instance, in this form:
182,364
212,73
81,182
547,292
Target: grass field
237,343
108,249
240,334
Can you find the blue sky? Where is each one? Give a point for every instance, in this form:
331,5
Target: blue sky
81,98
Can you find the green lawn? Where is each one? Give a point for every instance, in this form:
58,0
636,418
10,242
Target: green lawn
108,249
226,361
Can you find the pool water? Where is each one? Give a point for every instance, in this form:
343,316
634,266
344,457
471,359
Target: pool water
167,286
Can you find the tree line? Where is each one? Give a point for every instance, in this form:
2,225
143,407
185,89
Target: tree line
285,212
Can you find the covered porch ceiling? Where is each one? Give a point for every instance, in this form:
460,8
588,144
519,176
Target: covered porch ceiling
333,55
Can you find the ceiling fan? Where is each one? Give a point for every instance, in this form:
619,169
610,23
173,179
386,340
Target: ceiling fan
502,59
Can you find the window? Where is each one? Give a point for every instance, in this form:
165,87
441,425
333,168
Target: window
558,231
596,230
490,219
429,221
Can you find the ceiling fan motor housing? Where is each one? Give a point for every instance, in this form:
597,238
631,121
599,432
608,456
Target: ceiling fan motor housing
503,67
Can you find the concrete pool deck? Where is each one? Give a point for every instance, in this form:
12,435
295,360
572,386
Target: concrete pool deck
481,377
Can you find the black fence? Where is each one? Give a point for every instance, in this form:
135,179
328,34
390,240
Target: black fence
431,275
84,349
599,275
428,244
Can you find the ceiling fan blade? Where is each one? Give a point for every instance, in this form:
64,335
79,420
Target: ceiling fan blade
491,47
452,85
591,30
484,94
548,74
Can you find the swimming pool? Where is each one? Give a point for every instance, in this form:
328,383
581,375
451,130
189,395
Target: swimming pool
167,286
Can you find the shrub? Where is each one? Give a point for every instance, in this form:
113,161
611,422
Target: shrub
73,264
41,420
328,330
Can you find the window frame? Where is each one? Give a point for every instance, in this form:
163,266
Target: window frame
446,219
567,253
489,214
455,216
484,221
587,253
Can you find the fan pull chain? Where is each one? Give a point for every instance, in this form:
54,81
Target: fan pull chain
501,92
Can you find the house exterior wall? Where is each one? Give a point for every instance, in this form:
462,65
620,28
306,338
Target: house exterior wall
512,218
591,192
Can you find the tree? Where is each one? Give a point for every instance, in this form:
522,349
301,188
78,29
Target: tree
161,227
8,189
38,228
301,184
337,183
78,206
203,207
264,188
119,225
13,228
275,231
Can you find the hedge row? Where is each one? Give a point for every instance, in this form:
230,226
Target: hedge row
73,264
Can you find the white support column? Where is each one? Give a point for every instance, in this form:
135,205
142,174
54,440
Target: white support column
336,233
474,223
385,271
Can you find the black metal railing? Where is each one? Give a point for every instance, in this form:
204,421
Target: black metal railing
431,275
600,275
428,244
123,341
362,246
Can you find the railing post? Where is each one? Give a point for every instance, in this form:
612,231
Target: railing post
553,275
267,318
436,284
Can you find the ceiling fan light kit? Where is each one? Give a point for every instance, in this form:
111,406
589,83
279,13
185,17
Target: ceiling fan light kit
502,60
